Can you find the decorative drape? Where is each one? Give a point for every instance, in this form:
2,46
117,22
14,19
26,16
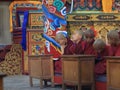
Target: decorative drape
24,27
107,6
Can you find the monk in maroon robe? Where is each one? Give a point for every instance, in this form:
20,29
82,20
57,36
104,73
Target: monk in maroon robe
77,38
65,43
67,50
101,51
88,43
114,41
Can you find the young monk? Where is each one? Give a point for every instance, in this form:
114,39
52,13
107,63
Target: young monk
88,43
114,41
65,44
77,38
101,51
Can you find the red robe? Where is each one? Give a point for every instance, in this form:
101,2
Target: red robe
88,48
100,66
77,48
67,51
118,51
114,50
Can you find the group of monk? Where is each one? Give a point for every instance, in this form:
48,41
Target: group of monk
84,43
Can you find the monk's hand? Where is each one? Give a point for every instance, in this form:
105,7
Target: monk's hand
62,48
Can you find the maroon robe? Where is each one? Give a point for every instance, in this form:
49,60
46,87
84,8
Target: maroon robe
67,51
77,48
88,48
100,66
117,53
114,50
58,66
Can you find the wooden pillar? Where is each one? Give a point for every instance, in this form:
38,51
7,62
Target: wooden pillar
1,81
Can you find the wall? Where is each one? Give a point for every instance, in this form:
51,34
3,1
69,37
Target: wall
5,35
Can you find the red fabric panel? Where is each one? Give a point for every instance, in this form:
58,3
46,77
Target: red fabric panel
101,86
58,79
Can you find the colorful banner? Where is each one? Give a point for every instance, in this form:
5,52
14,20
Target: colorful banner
54,21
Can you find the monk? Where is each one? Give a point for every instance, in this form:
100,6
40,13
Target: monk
114,41
77,38
65,43
101,50
88,43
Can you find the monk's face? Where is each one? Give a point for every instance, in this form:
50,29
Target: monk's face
62,41
98,49
89,39
76,36
111,41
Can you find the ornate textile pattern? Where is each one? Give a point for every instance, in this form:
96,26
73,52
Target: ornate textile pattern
54,21
35,20
13,61
103,27
89,5
101,23
36,43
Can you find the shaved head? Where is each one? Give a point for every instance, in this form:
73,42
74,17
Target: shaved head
79,32
113,37
89,33
99,44
59,36
113,34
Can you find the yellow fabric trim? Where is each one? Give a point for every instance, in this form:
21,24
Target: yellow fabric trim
19,2
107,6
57,49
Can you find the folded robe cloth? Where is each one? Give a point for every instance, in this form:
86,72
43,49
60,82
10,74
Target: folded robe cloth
58,66
100,68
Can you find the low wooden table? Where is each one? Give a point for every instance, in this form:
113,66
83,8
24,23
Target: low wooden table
41,67
78,70
1,80
113,73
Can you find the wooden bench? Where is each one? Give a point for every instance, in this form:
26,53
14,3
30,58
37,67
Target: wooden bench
41,67
1,80
78,70
113,73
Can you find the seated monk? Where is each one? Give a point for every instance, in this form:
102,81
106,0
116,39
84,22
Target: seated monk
101,51
88,43
65,44
114,41
77,38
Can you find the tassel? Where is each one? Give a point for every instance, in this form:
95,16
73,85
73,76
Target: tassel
82,3
90,3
